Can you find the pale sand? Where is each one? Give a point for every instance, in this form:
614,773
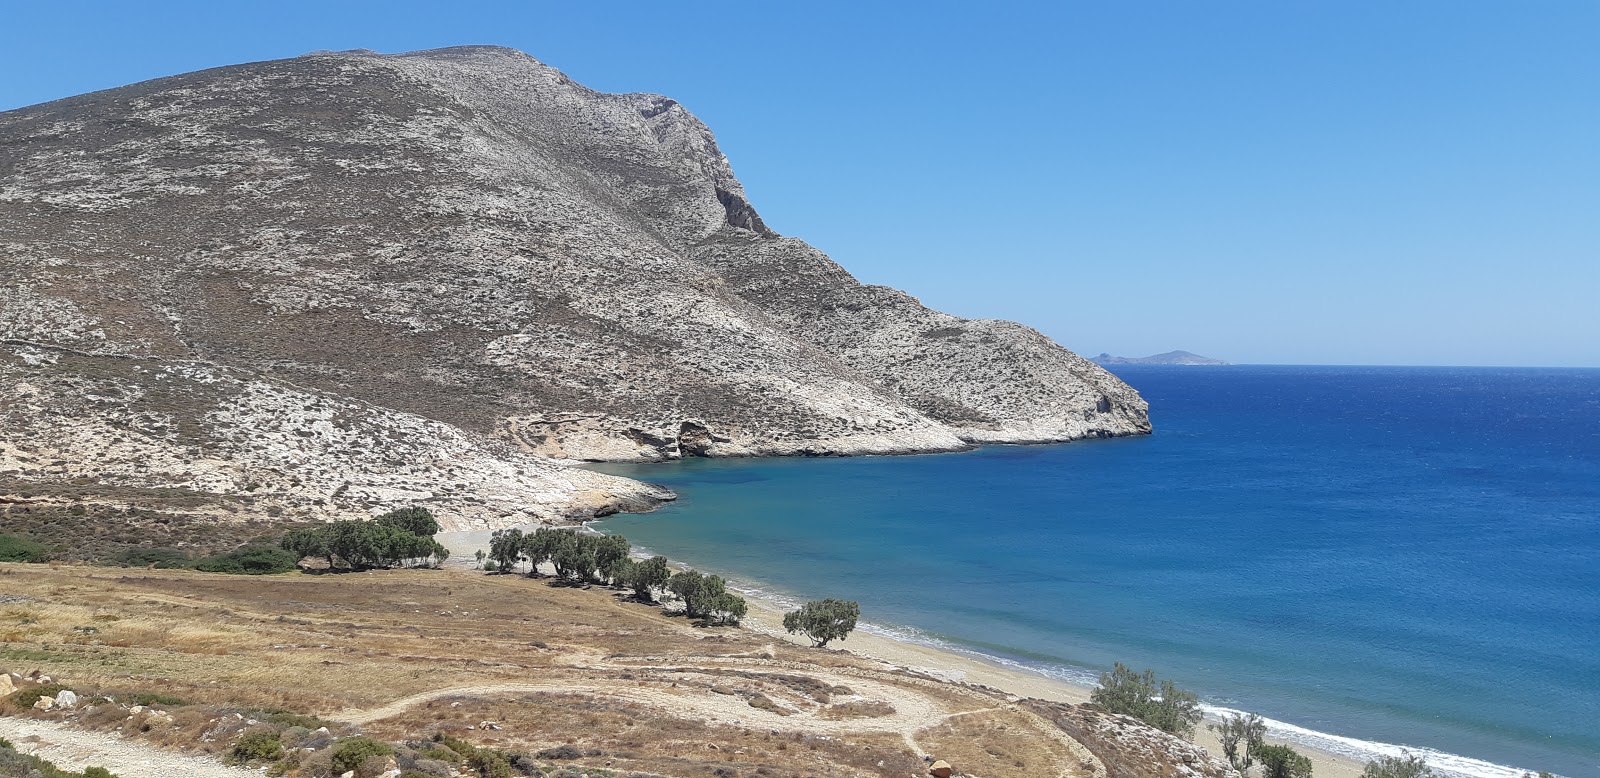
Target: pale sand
765,617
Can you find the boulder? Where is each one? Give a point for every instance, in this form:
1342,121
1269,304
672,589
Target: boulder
66,699
6,685
45,702
940,769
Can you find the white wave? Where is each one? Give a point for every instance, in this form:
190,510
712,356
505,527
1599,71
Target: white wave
1451,765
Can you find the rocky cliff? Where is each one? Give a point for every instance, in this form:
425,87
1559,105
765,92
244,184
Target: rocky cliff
465,249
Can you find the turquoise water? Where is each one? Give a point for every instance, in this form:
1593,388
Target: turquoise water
1386,555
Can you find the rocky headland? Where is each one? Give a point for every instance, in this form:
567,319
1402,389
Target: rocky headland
348,281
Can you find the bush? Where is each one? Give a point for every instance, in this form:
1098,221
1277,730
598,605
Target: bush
250,560
15,548
490,764
349,754
1406,765
27,697
560,752
1281,762
260,745
823,620
1240,729
1170,709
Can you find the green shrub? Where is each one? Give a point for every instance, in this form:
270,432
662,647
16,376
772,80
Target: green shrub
1281,762
15,548
260,745
490,764
249,560
463,748
97,772
1169,709
27,697
349,754
1406,765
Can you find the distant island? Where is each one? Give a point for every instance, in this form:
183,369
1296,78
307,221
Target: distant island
1169,358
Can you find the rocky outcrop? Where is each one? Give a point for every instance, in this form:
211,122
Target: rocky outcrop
468,238
1130,748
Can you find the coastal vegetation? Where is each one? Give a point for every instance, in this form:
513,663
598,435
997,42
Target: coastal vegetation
706,597
19,549
550,679
1160,704
400,538
1404,766
823,620
1240,734
1279,761
585,558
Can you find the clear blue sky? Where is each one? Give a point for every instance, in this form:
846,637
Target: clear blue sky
1380,182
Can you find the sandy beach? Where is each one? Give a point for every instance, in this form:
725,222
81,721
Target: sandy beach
767,617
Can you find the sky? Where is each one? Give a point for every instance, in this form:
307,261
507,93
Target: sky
1280,181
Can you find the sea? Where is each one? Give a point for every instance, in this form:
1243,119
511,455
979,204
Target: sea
1369,557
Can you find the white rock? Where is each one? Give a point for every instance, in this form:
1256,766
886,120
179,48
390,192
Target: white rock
66,699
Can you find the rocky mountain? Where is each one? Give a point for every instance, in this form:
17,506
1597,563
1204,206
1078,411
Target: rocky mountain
356,280
1169,358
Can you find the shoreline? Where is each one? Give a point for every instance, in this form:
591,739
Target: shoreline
765,617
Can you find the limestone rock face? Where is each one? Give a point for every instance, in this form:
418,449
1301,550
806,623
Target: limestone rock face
466,238
268,447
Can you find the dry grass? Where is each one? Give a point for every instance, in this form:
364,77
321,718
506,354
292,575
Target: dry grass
632,690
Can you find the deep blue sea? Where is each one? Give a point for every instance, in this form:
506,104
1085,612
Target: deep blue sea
1387,555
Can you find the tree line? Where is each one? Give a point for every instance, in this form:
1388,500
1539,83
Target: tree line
400,538
606,560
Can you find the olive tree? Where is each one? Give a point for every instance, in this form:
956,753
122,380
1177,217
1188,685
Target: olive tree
1281,762
646,576
540,546
823,620
505,548
1236,729
610,557
1163,706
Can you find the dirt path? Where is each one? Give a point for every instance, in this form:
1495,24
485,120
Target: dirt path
914,712
75,749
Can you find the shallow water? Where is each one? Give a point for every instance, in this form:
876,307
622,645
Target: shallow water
1399,555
